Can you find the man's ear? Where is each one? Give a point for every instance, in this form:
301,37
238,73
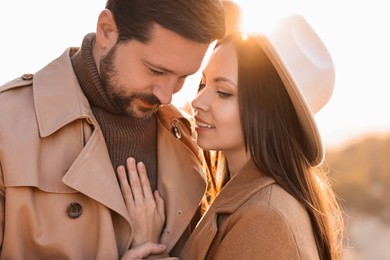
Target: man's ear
106,31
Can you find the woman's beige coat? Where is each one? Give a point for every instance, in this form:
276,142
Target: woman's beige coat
253,218
54,165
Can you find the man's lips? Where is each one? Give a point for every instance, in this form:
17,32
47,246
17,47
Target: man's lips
145,105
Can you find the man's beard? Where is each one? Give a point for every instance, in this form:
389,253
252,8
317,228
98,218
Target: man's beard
117,95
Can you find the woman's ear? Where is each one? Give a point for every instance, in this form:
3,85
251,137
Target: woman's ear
106,31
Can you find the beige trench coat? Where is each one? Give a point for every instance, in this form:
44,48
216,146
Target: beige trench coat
253,218
59,195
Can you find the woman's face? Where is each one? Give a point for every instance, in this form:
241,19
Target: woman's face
216,105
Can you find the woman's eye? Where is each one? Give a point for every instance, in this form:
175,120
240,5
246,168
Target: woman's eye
223,94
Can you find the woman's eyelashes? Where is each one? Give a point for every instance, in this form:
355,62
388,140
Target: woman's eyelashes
223,94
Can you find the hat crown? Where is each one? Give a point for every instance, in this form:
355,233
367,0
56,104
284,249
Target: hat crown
306,60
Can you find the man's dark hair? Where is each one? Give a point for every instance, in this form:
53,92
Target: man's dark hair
197,20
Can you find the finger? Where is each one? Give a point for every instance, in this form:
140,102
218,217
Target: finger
143,251
145,183
154,248
125,188
134,180
160,204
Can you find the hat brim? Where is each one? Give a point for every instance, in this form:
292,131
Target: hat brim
304,113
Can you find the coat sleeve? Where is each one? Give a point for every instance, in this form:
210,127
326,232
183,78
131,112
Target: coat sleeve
258,232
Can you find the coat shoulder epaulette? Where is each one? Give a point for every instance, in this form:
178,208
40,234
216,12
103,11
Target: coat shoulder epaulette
179,123
170,114
22,81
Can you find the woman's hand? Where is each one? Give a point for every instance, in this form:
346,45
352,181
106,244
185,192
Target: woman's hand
147,211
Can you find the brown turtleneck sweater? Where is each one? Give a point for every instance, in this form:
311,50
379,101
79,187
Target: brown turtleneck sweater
125,136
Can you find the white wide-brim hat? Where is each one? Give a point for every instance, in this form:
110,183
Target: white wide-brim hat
307,71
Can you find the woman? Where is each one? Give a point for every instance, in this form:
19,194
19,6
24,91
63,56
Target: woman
255,105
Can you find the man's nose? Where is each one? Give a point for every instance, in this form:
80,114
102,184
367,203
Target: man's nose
164,91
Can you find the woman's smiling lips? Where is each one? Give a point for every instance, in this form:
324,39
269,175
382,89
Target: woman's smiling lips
201,125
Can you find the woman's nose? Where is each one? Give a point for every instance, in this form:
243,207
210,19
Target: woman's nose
199,102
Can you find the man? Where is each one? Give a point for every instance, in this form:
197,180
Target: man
233,16
64,130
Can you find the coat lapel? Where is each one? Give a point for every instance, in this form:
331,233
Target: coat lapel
181,180
92,172
248,181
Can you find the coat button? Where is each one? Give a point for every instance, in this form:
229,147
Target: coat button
27,76
74,210
176,128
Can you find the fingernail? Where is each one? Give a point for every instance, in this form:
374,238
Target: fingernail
130,160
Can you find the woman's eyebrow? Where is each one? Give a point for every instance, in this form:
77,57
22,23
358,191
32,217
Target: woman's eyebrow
218,79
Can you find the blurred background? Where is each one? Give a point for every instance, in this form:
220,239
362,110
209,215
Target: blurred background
355,125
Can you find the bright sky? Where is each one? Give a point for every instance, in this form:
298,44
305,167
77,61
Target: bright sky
355,31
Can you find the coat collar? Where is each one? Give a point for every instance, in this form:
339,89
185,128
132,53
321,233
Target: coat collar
248,181
95,178
91,173
61,92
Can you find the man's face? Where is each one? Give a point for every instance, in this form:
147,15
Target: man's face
140,77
